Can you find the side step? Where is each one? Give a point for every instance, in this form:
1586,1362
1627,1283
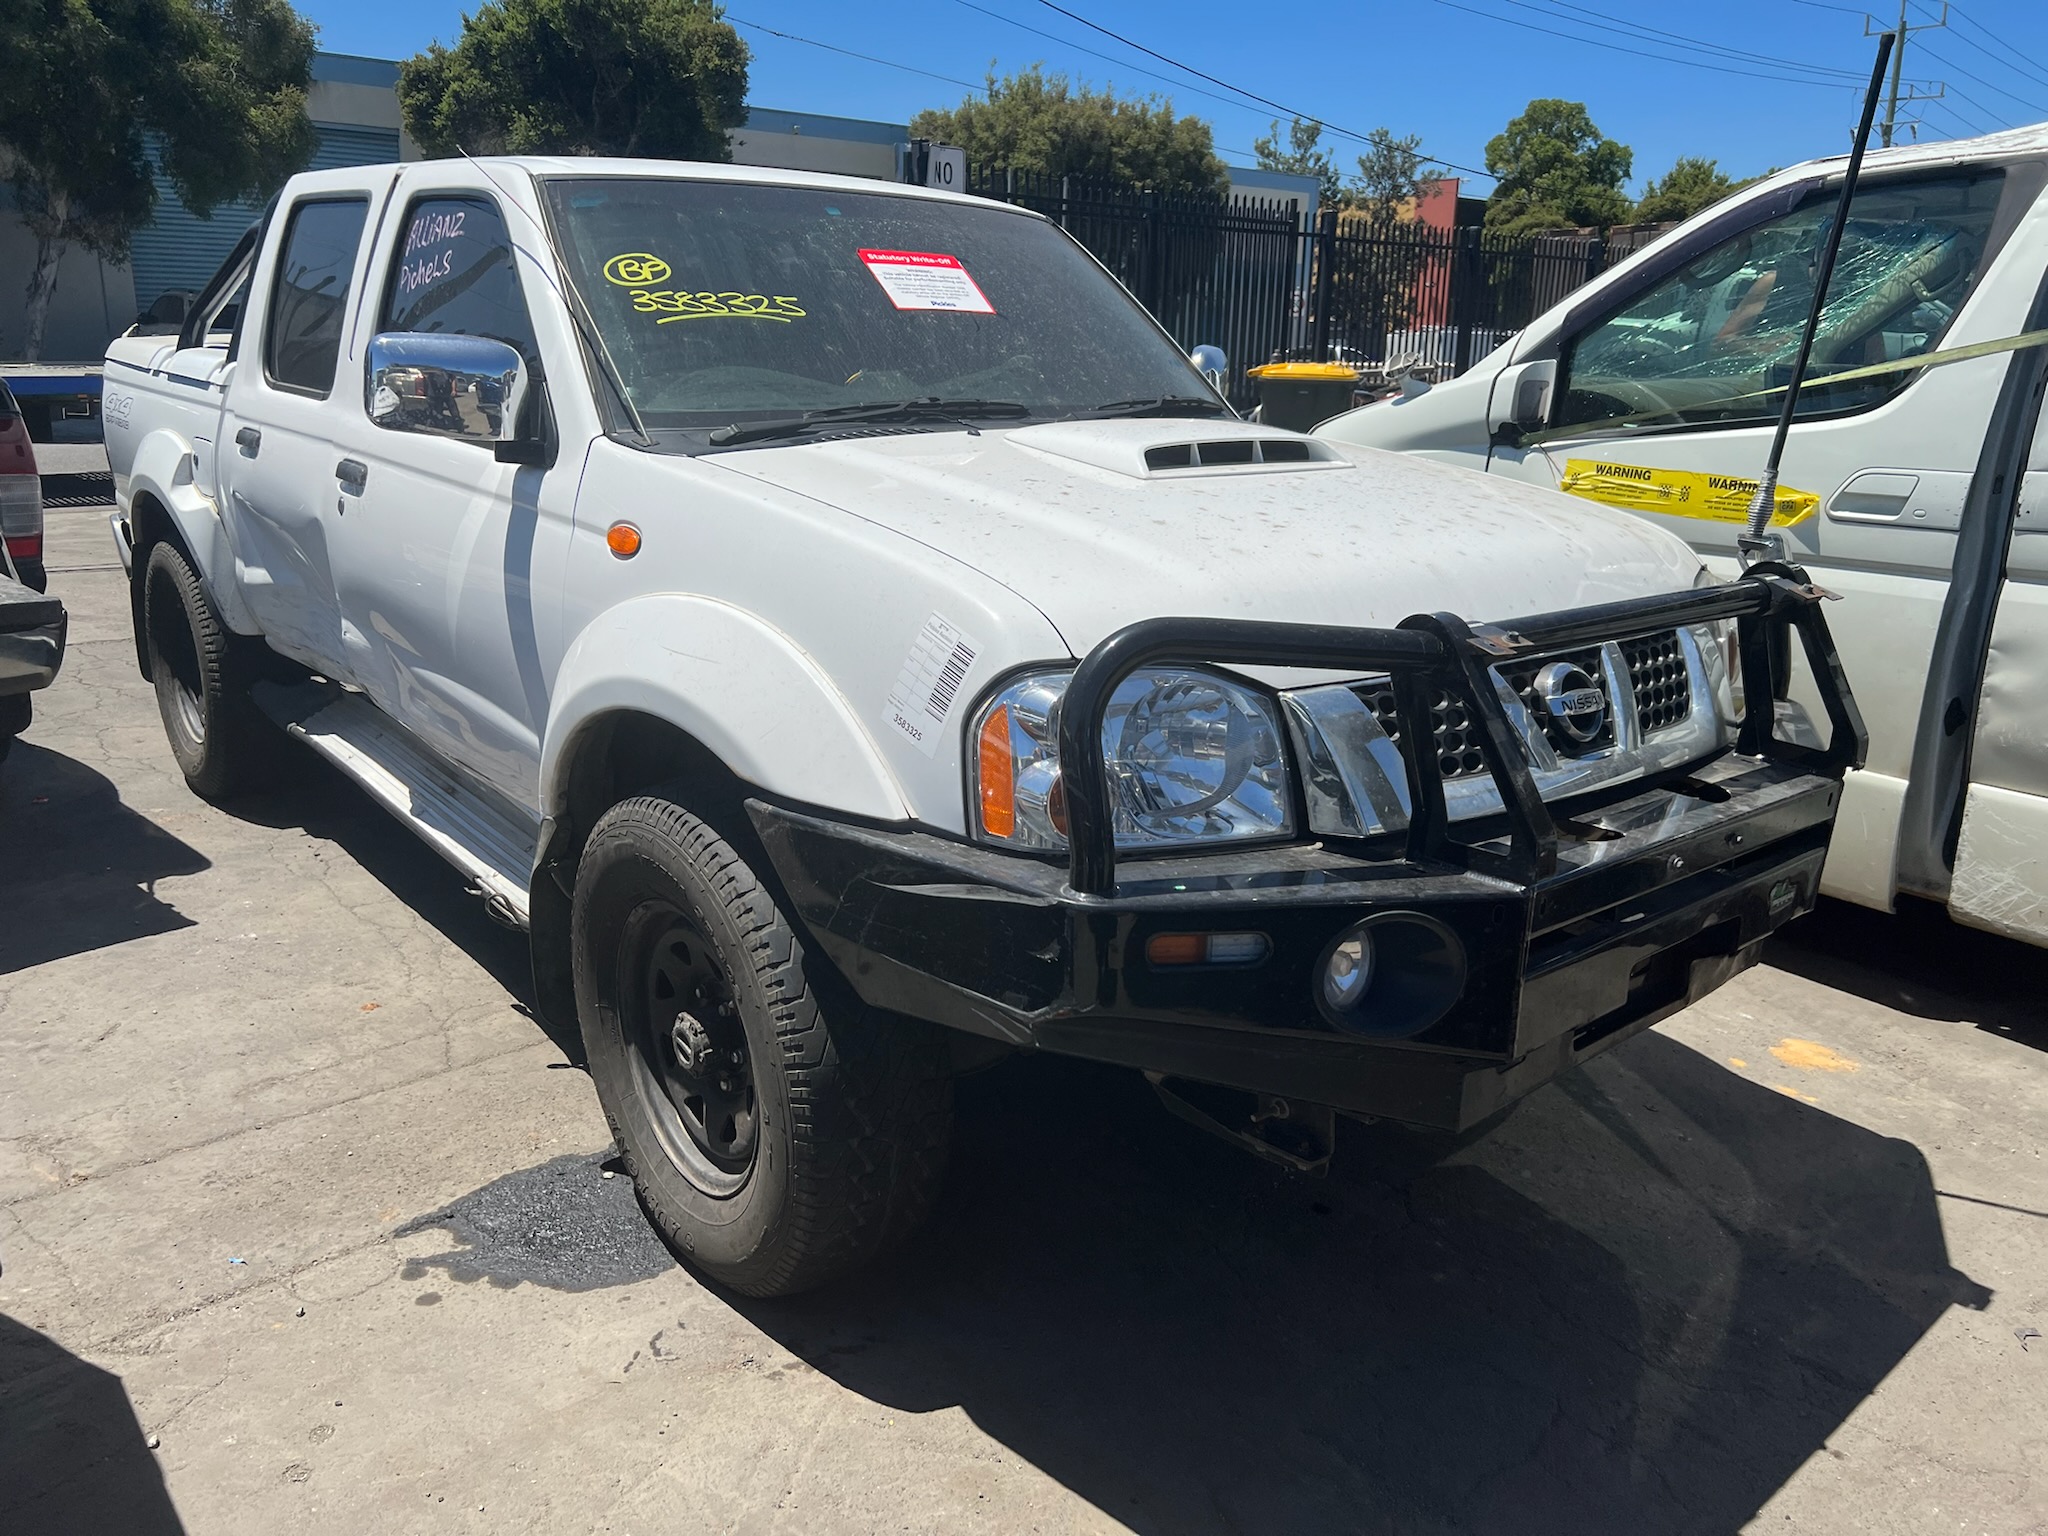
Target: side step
481,839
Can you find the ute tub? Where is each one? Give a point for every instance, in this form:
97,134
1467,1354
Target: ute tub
1503,960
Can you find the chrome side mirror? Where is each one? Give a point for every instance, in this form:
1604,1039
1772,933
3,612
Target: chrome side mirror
466,387
1211,364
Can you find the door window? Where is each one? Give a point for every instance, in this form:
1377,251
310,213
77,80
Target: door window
453,273
302,339
1714,342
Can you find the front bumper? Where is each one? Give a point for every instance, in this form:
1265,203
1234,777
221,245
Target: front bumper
1545,939
1625,932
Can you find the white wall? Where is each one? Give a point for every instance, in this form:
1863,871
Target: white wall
93,299
802,152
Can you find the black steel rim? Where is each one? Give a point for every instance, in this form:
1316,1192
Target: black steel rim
690,1060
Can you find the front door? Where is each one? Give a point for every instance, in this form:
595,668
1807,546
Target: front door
1666,404
2001,873
443,550
274,457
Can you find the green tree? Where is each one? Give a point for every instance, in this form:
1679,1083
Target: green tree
96,92
1303,156
1556,171
1390,176
661,78
1032,121
1689,186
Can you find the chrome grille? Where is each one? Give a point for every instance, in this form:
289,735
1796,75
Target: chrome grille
1657,676
1457,742
1656,672
1521,677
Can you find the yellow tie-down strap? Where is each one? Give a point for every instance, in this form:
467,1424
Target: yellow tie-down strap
1680,492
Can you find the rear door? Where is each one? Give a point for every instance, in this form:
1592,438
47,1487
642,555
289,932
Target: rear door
1664,403
275,455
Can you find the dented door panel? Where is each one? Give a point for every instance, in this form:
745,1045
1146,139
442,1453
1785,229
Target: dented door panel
2001,872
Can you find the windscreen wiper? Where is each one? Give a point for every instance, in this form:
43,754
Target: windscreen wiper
1160,405
930,408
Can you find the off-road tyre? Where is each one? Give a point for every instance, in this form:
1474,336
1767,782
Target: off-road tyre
852,1115
203,671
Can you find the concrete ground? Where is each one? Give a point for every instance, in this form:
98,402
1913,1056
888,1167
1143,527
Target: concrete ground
306,1228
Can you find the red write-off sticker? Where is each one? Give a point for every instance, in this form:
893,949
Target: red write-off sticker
927,280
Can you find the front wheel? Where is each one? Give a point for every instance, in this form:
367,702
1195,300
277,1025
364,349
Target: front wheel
776,1137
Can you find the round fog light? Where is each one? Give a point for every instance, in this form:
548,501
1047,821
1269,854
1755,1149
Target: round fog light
1391,976
1348,971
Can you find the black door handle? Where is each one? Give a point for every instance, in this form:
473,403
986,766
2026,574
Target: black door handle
353,474
249,440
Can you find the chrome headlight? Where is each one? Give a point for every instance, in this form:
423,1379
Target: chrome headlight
1723,659
1192,758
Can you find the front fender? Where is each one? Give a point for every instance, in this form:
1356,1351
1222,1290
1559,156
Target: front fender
162,471
742,689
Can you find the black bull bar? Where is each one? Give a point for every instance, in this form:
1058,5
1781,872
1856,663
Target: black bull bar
1563,955
1440,651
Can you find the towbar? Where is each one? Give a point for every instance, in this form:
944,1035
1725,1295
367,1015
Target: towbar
1431,653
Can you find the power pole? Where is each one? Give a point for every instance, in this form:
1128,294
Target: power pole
1895,96
1891,100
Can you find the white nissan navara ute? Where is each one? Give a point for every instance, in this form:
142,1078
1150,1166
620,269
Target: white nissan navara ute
851,638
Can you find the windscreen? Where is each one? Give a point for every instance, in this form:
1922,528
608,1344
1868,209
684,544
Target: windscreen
725,301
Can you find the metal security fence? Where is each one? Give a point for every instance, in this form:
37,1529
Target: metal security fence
1406,295
1258,279
1227,272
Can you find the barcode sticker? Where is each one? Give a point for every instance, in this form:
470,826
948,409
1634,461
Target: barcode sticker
926,688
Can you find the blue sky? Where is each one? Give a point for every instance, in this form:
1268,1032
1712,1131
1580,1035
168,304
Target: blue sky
1750,83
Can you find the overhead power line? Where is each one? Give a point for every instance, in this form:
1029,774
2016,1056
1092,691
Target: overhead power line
1096,53
1968,123
1264,101
865,58
1653,34
2024,66
2031,106
1973,101
1661,58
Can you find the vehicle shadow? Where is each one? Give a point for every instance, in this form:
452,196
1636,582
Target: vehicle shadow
1921,962
322,801
72,1456
80,867
1639,1305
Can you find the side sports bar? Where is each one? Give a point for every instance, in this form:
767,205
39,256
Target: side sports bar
1416,974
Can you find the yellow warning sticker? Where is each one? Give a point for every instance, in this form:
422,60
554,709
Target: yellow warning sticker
1680,492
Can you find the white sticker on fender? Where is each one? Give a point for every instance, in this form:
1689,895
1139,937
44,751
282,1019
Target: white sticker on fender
929,683
926,280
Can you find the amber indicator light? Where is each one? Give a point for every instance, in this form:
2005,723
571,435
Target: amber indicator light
623,540
1166,949
998,776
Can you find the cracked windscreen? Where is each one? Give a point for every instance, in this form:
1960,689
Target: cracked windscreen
723,302
1713,341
